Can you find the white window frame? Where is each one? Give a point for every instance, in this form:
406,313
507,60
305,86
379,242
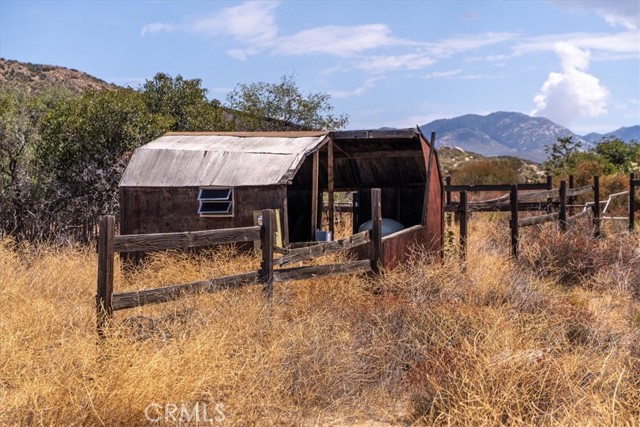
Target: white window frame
221,200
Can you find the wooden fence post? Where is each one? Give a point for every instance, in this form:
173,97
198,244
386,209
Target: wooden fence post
514,220
104,309
632,201
563,205
596,206
376,231
463,225
266,269
549,199
572,199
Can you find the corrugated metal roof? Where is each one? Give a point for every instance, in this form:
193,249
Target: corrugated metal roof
226,160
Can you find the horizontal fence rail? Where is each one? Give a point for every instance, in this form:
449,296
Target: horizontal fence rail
559,204
184,240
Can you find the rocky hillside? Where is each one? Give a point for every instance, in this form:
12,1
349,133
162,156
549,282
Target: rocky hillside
499,134
625,133
38,77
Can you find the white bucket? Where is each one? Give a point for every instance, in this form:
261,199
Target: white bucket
324,236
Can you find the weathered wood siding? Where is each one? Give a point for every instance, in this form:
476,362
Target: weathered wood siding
162,210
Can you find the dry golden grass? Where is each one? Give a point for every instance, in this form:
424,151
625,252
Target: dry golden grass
486,343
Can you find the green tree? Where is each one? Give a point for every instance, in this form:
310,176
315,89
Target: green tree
21,113
560,153
83,149
619,157
184,103
282,106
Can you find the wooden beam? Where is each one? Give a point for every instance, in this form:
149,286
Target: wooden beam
540,219
632,200
325,248
514,221
463,225
173,292
314,194
563,205
314,271
330,186
381,154
571,198
104,303
495,187
377,256
187,239
596,206
266,268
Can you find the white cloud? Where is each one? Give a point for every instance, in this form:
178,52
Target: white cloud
442,74
572,93
337,40
380,64
625,13
157,27
466,42
359,91
253,23
621,43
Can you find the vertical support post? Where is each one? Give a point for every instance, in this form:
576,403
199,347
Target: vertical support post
514,220
549,199
330,186
266,269
104,309
376,231
632,201
463,206
314,194
448,193
572,200
563,205
355,211
596,206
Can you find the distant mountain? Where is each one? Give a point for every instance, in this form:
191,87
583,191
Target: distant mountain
626,134
38,77
500,134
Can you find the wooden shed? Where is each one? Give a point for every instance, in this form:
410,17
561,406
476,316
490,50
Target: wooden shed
198,181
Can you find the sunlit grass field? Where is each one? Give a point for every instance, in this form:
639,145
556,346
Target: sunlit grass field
550,339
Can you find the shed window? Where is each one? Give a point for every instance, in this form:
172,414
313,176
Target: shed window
215,202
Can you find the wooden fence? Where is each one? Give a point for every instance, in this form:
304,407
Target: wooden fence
109,243
557,202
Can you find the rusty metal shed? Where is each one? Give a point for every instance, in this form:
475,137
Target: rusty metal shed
196,181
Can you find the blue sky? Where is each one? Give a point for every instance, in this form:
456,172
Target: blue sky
385,63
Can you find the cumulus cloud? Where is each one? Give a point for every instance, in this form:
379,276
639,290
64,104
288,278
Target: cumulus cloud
571,93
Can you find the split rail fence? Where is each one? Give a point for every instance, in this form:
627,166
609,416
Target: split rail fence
557,202
108,301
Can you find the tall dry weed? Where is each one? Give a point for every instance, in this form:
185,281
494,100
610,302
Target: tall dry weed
489,341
